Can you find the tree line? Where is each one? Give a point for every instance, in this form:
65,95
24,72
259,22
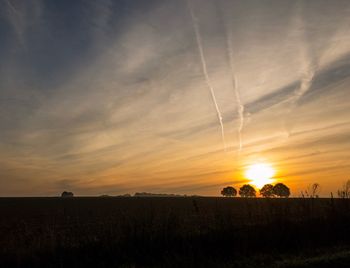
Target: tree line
281,190
268,190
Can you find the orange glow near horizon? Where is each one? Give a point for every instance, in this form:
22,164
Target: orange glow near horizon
260,174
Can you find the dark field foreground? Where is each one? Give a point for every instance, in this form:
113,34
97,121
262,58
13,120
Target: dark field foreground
174,232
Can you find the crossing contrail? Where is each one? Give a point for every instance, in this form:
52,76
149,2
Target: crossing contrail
240,107
205,71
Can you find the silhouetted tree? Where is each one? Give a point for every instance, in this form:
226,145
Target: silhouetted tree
281,190
247,191
229,191
267,190
67,194
345,191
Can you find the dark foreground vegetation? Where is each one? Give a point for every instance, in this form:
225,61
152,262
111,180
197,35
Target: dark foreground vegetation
174,232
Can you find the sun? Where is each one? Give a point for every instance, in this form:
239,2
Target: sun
260,174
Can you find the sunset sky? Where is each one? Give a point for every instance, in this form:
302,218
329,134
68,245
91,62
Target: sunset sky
114,97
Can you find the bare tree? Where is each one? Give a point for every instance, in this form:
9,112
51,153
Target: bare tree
344,192
313,190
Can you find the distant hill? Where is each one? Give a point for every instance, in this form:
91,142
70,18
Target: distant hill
106,195
144,194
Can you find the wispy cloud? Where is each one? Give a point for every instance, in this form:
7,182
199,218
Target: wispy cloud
110,97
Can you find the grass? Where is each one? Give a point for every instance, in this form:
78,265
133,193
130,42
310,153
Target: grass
169,232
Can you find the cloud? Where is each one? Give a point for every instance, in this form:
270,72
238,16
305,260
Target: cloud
111,96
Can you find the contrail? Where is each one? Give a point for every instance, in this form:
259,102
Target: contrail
16,21
205,71
306,82
240,109
309,61
12,7
309,68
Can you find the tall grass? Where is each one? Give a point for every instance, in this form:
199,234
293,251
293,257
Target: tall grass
129,232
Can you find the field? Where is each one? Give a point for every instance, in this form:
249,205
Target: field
174,232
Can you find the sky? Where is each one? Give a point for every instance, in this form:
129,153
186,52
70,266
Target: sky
114,97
